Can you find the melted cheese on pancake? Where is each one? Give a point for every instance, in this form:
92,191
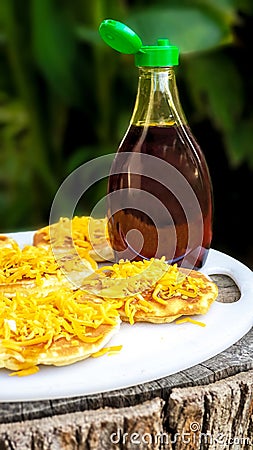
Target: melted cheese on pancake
83,233
31,267
125,278
153,291
31,263
59,329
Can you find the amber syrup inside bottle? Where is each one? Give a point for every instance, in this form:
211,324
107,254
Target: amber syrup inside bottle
159,189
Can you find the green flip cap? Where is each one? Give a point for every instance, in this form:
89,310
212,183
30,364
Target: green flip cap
121,38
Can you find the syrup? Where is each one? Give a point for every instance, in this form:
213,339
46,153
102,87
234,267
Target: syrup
148,218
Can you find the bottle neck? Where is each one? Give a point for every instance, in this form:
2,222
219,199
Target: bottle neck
157,101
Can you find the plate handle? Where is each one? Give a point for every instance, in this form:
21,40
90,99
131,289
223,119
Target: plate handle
220,263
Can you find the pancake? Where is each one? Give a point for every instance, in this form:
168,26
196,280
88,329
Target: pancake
6,242
81,233
193,295
58,329
35,268
152,291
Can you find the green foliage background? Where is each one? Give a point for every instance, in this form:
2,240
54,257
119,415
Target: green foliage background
65,97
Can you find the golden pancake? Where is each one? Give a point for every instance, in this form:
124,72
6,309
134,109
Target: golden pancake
36,268
79,233
152,291
168,300
58,329
6,242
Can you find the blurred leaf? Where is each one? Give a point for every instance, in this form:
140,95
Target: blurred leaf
217,92
239,142
216,88
225,9
79,157
244,5
13,117
54,48
190,28
84,154
88,35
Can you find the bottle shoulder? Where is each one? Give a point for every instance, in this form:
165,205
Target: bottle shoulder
162,140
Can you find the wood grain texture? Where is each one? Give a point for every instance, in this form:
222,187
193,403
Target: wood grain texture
100,429
215,397
214,416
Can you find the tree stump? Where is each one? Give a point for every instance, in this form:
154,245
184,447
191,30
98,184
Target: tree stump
208,406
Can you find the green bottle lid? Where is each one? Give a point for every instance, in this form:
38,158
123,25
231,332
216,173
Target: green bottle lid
121,38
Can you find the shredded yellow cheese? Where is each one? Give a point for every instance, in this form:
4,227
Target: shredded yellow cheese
107,350
30,323
84,232
25,372
139,282
189,319
135,277
37,264
18,264
125,278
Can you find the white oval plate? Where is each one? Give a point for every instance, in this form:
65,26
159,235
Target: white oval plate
150,351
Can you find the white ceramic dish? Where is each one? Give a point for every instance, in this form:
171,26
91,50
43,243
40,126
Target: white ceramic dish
149,351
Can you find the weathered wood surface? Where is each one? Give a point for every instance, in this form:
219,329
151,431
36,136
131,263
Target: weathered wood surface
208,406
214,416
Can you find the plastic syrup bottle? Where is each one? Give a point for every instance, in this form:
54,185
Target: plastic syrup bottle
159,195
